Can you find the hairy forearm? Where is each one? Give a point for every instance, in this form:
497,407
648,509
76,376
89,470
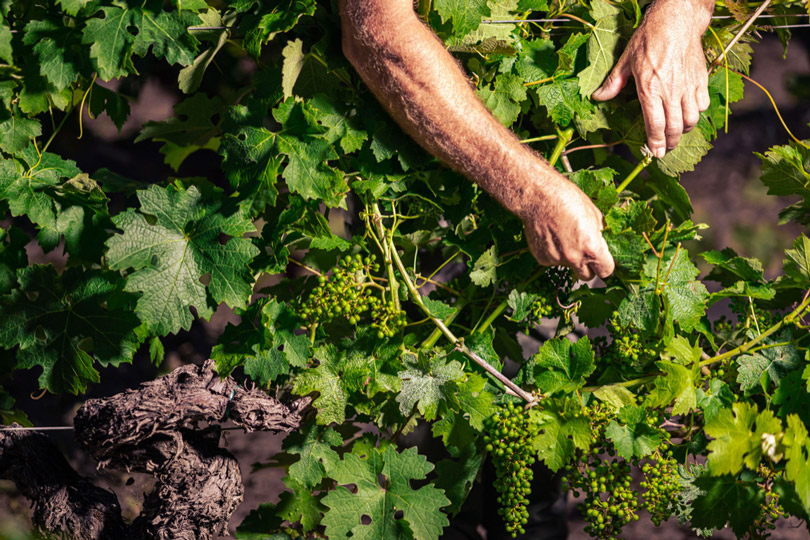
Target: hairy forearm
698,13
425,91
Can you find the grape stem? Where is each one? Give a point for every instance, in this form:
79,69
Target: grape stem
458,343
385,245
635,172
563,139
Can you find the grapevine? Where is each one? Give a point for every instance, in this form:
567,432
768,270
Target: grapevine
374,283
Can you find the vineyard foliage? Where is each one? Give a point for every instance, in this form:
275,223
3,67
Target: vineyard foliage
394,277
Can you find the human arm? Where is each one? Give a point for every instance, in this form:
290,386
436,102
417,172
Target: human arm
425,91
665,57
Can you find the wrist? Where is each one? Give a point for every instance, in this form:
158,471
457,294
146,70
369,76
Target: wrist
695,14
537,185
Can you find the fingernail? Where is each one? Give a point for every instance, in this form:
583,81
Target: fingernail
660,152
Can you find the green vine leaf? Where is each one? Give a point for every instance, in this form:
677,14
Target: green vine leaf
603,45
562,366
563,101
725,499
686,155
111,41
561,429
428,382
65,324
465,15
768,365
631,435
383,488
172,245
17,132
733,441
314,444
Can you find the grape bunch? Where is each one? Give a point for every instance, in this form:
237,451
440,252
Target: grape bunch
660,484
610,502
770,509
350,292
628,348
507,440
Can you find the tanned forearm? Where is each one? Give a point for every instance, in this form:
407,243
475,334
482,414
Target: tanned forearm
427,93
422,87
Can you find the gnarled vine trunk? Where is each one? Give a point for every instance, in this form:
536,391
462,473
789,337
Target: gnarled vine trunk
168,428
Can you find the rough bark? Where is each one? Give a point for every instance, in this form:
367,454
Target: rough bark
166,427
63,503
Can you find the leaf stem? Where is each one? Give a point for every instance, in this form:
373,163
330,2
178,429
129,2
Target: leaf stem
56,130
563,138
539,81
538,139
302,265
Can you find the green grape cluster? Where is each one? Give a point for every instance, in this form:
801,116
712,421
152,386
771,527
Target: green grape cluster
349,293
628,347
507,440
770,509
610,502
387,319
660,485
345,293
541,308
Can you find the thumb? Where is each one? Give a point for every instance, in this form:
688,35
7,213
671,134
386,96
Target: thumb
613,84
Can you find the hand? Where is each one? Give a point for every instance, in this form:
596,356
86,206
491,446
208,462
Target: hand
665,57
566,228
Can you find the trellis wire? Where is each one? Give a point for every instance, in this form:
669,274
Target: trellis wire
44,428
517,21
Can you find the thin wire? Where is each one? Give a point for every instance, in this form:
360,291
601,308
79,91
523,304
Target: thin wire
46,428
516,21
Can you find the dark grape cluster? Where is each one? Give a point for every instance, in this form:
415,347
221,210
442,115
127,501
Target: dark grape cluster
507,440
349,293
610,502
660,485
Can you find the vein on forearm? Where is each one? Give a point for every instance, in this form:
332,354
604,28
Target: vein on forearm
425,91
